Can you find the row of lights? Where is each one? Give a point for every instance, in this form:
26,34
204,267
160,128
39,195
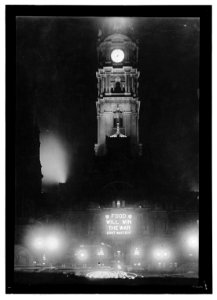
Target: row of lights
50,242
160,253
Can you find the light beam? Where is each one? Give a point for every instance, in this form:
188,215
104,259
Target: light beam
55,159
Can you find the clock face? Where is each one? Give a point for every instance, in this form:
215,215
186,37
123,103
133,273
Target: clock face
117,55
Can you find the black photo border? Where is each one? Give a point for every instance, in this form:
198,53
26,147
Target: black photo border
204,12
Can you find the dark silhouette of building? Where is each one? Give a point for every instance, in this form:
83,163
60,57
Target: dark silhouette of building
27,152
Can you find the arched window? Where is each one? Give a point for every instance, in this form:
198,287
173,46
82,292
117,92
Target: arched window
117,87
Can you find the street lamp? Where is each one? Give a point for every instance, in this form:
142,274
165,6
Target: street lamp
100,252
136,252
82,255
161,254
46,242
191,242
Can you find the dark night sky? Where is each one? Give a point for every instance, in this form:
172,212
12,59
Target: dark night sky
57,64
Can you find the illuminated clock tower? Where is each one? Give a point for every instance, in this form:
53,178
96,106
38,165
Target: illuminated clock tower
118,103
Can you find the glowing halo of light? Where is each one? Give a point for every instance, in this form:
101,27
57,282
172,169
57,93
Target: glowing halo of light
52,243
192,242
46,239
38,243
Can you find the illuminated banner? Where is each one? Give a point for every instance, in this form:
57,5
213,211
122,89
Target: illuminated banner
118,223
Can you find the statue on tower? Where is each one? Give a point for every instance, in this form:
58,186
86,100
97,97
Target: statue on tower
118,122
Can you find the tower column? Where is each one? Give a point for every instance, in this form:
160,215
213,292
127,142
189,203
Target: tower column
117,61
